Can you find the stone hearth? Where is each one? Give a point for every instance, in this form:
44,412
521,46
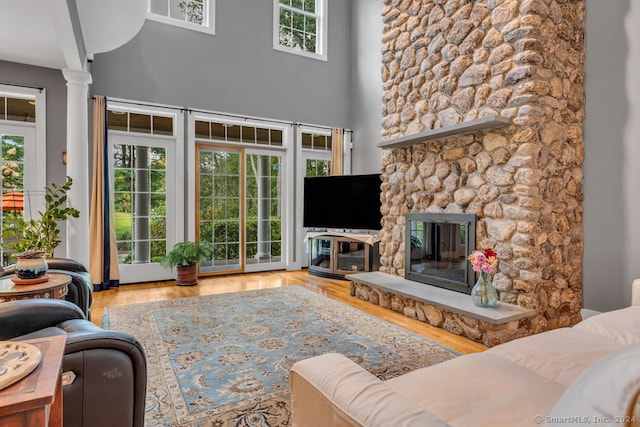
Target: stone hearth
449,62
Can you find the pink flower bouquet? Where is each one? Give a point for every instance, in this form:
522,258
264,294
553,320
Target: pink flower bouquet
484,261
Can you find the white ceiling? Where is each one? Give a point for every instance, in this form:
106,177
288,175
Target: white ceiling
40,32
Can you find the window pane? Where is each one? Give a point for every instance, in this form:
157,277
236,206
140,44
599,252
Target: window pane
296,3
202,129
162,125
13,162
310,6
217,131
117,120
233,133
140,123
22,110
309,25
319,142
306,141
276,137
262,135
248,134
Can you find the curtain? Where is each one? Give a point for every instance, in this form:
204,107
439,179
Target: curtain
337,151
103,259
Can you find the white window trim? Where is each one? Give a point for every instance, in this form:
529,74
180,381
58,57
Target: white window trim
321,42
35,166
207,29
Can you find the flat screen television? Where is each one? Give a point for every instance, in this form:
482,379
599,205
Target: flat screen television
350,202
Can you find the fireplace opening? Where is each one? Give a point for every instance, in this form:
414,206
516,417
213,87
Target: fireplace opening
437,247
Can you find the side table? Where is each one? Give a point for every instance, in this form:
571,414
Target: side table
56,287
36,400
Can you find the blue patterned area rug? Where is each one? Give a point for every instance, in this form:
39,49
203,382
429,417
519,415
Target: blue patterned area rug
224,360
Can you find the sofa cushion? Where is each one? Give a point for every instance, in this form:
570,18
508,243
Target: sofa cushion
480,390
622,326
560,355
608,392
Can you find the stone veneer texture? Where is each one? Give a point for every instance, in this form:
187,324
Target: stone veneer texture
447,62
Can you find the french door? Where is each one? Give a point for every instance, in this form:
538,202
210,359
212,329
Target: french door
239,199
143,181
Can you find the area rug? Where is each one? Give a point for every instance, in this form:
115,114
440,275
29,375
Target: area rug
224,360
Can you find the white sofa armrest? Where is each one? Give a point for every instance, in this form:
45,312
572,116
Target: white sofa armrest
606,394
635,292
332,390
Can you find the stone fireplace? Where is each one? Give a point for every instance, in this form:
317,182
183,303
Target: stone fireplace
450,62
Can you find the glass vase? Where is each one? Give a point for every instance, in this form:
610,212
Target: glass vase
483,294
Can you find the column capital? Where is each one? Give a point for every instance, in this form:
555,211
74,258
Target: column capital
77,77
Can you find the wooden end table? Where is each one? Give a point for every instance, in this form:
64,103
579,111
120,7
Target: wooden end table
56,287
36,400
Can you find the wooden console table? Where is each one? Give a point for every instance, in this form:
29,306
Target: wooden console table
36,400
56,287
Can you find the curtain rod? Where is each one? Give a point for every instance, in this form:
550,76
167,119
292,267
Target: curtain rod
237,116
142,104
23,86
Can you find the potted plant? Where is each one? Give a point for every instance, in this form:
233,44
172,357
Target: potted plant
185,257
31,241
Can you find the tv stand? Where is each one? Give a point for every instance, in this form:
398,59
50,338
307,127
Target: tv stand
335,254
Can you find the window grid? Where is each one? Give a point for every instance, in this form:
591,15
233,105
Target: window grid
140,123
192,14
300,27
220,206
140,194
256,244
298,24
226,132
312,141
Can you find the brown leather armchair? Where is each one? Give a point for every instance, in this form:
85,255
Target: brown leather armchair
108,368
80,288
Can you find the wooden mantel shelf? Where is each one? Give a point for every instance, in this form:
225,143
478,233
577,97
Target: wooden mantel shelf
478,125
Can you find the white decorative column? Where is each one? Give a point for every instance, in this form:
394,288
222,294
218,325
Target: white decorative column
78,162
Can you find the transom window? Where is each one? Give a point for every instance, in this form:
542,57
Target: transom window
300,27
17,109
140,123
227,132
193,14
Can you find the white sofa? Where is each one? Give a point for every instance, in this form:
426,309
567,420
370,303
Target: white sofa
588,374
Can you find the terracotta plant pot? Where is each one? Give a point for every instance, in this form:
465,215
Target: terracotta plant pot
187,275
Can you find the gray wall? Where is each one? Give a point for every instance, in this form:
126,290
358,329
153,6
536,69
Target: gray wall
235,71
366,86
611,254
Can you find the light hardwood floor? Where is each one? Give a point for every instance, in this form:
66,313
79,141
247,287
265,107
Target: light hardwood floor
336,289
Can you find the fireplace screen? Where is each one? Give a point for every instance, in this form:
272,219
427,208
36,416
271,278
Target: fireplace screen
437,247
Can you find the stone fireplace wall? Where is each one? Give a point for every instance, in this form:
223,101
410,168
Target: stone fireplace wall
447,62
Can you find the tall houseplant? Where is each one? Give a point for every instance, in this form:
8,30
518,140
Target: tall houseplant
42,234
185,257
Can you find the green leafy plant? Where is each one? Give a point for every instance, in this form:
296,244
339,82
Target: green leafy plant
187,253
41,234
